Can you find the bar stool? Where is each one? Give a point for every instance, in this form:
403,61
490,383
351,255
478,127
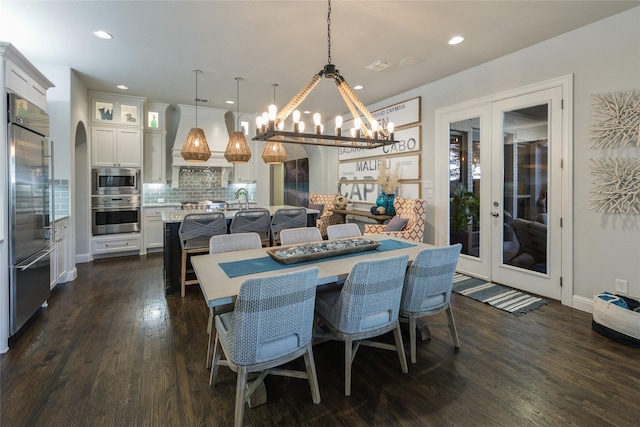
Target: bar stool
287,218
253,221
195,232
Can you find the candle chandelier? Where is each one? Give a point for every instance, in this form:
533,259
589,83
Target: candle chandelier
270,126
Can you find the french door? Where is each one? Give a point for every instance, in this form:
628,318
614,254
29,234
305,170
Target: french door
505,189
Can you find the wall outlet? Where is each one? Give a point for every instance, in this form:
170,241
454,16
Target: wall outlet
622,286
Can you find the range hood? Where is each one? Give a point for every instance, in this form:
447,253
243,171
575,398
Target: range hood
212,122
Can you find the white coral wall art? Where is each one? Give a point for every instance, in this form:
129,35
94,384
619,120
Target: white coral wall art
616,186
616,119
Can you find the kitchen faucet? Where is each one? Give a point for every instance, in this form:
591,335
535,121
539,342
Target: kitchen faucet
242,195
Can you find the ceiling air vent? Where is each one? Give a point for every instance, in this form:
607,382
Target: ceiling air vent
379,65
205,100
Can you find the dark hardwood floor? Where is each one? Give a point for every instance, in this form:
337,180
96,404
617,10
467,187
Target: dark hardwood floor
111,350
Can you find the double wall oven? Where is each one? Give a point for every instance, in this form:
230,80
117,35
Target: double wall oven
115,201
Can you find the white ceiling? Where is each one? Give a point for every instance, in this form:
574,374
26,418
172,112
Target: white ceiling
157,44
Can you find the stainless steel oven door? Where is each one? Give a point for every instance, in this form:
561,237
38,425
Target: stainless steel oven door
115,219
115,181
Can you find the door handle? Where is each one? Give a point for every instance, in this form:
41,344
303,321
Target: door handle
494,213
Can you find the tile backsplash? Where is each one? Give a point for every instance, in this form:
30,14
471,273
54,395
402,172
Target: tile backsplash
196,184
61,195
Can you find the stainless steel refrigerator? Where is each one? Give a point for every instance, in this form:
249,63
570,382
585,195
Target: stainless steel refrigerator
29,210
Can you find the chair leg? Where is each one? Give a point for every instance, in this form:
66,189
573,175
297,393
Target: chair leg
348,349
412,336
183,273
400,347
241,385
217,350
311,374
211,330
452,326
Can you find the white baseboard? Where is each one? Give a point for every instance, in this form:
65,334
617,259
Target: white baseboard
582,303
72,275
83,258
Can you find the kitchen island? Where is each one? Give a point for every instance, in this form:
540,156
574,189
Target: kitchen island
172,249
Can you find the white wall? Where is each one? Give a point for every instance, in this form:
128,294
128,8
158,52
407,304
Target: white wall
603,57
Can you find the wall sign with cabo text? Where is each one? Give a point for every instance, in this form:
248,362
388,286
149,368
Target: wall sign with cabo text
359,168
401,114
408,142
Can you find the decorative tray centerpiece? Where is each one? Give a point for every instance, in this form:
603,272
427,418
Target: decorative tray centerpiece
324,249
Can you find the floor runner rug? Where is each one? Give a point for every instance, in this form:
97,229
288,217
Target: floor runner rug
498,296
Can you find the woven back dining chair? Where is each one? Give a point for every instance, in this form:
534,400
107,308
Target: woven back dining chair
227,243
427,290
342,231
294,236
271,325
367,306
253,220
287,218
195,232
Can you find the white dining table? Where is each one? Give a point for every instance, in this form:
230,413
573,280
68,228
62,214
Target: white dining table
219,289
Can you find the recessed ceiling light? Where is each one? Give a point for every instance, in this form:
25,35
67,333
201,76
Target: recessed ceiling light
456,40
230,102
123,87
102,35
358,87
411,60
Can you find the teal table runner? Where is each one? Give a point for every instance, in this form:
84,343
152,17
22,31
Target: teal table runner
264,264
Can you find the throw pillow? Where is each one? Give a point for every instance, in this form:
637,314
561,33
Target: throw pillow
396,224
316,207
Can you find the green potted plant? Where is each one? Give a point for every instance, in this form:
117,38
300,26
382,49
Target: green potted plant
464,215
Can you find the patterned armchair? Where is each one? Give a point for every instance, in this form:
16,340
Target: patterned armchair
414,210
327,217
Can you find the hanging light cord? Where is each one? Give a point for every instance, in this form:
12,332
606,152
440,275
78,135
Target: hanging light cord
275,85
329,32
237,103
197,72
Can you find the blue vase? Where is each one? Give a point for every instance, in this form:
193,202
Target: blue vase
390,209
381,201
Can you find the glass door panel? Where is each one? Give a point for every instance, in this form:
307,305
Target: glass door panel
525,152
465,176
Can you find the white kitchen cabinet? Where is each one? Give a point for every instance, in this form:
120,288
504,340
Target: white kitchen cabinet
58,257
115,244
53,266
154,158
154,145
112,146
21,83
62,226
115,109
153,227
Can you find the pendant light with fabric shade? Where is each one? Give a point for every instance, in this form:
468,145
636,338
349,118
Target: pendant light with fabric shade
195,148
274,153
237,150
